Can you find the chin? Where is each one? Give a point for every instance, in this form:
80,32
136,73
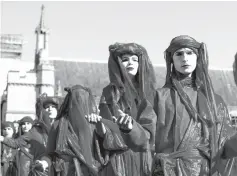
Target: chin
132,73
187,72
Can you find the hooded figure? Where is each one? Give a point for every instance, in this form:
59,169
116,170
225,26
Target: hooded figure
46,111
235,69
8,155
122,90
73,145
132,87
31,145
191,129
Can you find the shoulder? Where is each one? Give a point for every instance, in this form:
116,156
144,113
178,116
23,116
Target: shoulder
219,99
110,93
33,132
220,103
164,90
111,88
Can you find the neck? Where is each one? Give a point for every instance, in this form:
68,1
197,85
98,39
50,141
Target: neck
134,81
132,78
51,121
182,76
186,80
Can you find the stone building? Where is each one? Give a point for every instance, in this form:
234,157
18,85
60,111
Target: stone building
22,82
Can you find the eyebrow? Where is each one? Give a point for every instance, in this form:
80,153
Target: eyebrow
182,51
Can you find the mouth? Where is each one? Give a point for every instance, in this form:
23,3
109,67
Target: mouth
185,66
130,68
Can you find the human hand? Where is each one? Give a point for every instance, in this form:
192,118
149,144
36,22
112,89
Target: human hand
44,165
1,138
93,118
100,129
124,121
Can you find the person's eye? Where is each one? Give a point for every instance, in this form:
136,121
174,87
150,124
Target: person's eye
135,59
124,59
189,53
178,53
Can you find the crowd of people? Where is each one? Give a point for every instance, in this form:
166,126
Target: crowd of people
137,129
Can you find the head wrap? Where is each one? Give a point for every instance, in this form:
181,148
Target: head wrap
7,124
43,101
203,84
183,41
78,102
119,77
50,101
26,119
199,49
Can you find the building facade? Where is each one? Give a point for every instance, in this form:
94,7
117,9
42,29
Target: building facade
22,82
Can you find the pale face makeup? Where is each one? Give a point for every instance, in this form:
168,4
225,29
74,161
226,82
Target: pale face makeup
185,61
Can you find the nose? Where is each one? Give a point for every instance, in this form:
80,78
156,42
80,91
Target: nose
129,61
184,57
132,60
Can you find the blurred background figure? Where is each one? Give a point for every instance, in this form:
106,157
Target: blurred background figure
233,119
16,127
8,155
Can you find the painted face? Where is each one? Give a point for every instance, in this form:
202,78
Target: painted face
185,61
130,62
51,109
8,132
26,126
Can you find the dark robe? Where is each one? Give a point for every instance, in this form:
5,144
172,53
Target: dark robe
61,164
31,145
8,161
180,146
192,135
137,159
73,144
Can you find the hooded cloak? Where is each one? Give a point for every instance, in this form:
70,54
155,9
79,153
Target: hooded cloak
211,111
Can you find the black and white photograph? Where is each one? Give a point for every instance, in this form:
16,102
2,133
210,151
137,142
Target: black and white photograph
118,88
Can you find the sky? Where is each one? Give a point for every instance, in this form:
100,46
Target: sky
85,29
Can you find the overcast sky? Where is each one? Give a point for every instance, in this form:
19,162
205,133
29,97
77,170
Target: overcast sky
84,30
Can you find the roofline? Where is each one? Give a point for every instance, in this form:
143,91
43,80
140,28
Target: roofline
88,60
78,60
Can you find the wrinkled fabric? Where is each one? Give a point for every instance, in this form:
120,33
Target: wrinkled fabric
176,152
36,170
31,145
75,136
121,94
118,75
137,159
33,141
196,148
9,161
62,162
